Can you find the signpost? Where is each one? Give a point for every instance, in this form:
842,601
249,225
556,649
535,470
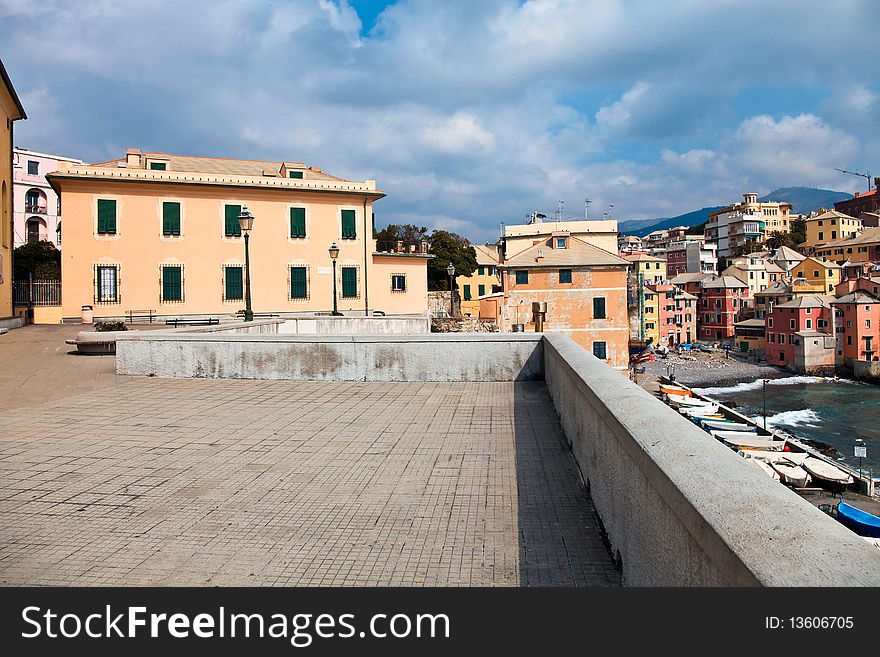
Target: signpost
861,452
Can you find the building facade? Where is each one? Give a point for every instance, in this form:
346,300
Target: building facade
36,206
484,280
828,227
861,202
583,286
12,111
722,300
691,256
864,247
799,334
670,315
734,226
651,268
160,232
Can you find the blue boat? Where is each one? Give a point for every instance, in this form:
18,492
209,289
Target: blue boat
861,522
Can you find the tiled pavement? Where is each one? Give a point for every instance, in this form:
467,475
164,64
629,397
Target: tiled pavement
142,481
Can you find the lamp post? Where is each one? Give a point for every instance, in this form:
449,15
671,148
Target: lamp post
334,253
764,395
450,271
246,223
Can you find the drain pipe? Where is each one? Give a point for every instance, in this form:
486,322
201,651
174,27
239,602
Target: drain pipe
366,262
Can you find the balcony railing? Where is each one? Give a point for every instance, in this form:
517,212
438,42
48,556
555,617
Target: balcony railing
402,246
36,293
35,208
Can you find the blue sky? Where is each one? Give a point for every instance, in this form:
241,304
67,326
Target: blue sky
468,113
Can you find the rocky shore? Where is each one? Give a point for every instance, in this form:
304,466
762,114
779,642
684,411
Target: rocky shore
696,368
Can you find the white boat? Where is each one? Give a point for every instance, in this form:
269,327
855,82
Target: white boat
748,440
697,411
763,467
825,471
794,458
729,426
790,473
680,400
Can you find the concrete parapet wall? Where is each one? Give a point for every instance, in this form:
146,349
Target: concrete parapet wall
433,357
402,325
867,370
680,508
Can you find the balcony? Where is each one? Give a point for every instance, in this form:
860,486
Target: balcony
403,247
34,208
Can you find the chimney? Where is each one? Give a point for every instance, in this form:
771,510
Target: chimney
540,256
133,158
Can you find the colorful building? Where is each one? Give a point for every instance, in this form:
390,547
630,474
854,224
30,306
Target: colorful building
815,276
857,320
670,315
800,334
36,206
651,268
12,111
828,227
864,247
690,256
600,233
862,202
160,232
756,270
583,286
484,280
721,306
734,226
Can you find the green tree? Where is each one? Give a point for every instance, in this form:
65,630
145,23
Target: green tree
406,233
41,259
449,247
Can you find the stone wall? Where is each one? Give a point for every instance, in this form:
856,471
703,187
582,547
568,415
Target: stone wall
351,325
679,507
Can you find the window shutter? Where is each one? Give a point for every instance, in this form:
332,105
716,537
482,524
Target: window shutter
171,284
157,166
106,216
481,290
171,218
295,174
298,286
349,282
599,308
467,292
232,227
348,228
234,287
297,222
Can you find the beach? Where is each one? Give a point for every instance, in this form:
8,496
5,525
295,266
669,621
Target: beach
697,368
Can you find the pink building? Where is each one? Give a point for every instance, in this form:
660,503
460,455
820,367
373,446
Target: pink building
36,209
800,334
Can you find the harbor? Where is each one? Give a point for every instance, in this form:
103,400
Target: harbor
807,467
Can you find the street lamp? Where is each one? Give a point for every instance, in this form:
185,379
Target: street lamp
450,271
334,253
246,223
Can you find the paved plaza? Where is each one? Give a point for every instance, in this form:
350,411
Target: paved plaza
109,480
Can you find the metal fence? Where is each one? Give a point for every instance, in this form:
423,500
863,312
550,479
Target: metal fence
36,293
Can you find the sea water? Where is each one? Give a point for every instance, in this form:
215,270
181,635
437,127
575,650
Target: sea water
826,410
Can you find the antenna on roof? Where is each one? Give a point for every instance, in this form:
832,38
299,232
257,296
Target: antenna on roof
559,205
587,202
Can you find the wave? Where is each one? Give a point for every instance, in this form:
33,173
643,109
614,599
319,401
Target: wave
756,384
803,418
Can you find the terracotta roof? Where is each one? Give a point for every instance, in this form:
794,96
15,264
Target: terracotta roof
579,253
750,323
867,236
830,214
787,253
694,277
807,301
484,255
857,296
643,257
725,282
221,165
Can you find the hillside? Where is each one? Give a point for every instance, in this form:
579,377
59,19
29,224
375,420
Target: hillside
802,199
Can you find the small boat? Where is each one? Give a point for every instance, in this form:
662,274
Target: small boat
794,458
861,522
702,419
698,411
675,390
680,400
763,467
729,426
825,471
790,473
748,440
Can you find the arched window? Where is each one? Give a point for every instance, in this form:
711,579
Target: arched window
36,229
35,201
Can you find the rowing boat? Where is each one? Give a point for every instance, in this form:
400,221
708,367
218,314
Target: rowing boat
729,426
827,472
861,522
748,440
675,390
680,400
791,473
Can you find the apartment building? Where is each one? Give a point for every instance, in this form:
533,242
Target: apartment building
732,227
828,227
722,301
36,206
651,268
600,233
691,255
160,232
800,334
484,280
862,202
669,314
12,111
864,247
816,276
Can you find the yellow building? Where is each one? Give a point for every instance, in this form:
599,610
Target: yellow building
815,276
864,247
484,280
652,315
828,227
12,111
160,232
652,268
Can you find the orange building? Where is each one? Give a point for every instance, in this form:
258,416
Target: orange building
11,111
583,286
160,232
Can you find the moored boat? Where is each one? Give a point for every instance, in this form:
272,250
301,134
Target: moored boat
729,426
675,390
763,467
790,473
748,440
680,400
825,471
698,411
861,522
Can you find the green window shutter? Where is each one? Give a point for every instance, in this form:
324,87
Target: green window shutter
232,228
348,228
234,286
106,216
157,166
172,289
298,285
481,289
295,174
349,282
467,292
171,218
297,222
522,276
599,308
600,350
565,275
480,270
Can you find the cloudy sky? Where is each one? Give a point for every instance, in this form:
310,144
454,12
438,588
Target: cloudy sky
468,113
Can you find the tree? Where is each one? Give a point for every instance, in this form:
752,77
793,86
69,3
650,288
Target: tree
449,247
405,233
40,259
